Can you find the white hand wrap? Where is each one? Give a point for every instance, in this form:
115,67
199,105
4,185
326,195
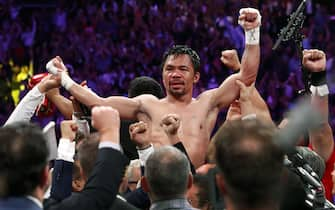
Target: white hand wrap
252,36
321,90
66,150
66,81
51,68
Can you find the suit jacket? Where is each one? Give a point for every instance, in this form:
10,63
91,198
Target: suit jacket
120,204
61,186
101,188
18,203
138,198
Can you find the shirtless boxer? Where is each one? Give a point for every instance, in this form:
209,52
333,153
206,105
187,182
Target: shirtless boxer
180,71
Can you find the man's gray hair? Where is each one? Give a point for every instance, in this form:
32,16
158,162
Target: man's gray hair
167,170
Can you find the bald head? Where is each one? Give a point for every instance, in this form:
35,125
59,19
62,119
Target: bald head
160,172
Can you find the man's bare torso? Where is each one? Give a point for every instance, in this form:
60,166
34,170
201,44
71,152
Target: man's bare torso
197,122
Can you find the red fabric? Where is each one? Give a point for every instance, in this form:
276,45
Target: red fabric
327,177
36,79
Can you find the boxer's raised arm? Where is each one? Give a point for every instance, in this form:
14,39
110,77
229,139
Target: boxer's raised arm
128,108
228,91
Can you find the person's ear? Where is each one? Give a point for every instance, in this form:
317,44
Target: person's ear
145,184
79,181
196,77
77,185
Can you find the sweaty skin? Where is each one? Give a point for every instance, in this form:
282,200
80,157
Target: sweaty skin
198,115
197,122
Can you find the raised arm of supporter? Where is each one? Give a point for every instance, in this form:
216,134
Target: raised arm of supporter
243,107
322,138
69,108
262,109
228,91
234,111
230,59
107,121
250,98
68,129
170,124
27,106
61,186
253,103
63,104
102,185
140,134
250,104
127,108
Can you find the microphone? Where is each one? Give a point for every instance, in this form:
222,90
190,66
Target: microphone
295,23
304,173
302,118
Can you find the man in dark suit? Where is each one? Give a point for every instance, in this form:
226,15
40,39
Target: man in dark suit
24,169
23,166
63,175
86,156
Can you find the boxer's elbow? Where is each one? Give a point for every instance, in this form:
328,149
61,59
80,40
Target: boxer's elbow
97,101
248,77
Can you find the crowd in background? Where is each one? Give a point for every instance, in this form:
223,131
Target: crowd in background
110,42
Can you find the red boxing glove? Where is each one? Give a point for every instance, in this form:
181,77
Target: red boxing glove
34,80
45,108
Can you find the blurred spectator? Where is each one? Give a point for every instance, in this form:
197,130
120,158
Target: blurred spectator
246,155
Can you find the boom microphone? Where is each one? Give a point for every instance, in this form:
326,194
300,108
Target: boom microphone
295,23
